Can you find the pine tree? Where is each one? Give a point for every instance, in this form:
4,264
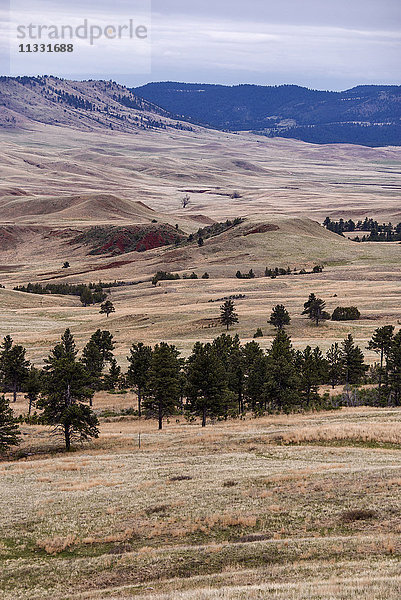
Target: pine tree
352,359
66,389
282,381
312,371
104,341
228,316
107,308
236,374
393,385
206,382
113,377
255,376
138,372
33,386
279,317
335,367
380,343
314,308
86,296
92,358
164,381
9,431
13,366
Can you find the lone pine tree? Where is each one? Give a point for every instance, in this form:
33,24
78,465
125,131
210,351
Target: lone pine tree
107,308
228,316
314,308
279,316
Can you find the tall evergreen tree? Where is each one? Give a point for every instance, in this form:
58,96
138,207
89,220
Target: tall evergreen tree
164,381
279,317
380,343
104,341
255,376
66,389
206,382
236,372
312,370
393,385
282,381
13,366
9,430
225,344
33,386
228,315
352,359
138,372
314,308
92,358
113,378
334,365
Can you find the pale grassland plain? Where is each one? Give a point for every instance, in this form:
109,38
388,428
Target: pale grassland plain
280,507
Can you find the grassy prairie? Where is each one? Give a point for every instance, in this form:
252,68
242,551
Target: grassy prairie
285,507
304,506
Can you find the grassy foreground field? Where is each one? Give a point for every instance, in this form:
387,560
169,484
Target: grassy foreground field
297,507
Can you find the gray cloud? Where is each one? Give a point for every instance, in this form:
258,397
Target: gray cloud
330,44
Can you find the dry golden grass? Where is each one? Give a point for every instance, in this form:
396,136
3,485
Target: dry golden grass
216,513
304,506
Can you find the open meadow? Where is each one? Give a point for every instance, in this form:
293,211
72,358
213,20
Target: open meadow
300,507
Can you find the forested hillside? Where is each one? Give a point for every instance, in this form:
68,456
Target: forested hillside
367,115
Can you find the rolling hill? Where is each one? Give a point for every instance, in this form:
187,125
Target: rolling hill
84,105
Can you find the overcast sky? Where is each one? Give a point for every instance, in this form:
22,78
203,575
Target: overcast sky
326,44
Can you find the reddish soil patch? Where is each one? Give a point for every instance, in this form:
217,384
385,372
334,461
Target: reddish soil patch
120,240
262,229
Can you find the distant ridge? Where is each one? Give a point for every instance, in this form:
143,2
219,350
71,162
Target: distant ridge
367,114
84,105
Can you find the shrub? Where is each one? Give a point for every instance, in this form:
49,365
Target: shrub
164,276
258,333
346,313
358,514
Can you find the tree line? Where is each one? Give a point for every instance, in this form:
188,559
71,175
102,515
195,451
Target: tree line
217,380
384,232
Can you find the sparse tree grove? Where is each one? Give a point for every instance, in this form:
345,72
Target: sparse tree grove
217,380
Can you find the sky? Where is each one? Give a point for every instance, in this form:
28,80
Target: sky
321,44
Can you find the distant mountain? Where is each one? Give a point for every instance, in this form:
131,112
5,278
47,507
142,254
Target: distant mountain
85,105
369,115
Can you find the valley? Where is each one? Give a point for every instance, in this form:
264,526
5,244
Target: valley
303,505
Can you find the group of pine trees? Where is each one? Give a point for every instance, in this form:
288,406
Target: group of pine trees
218,380
384,232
